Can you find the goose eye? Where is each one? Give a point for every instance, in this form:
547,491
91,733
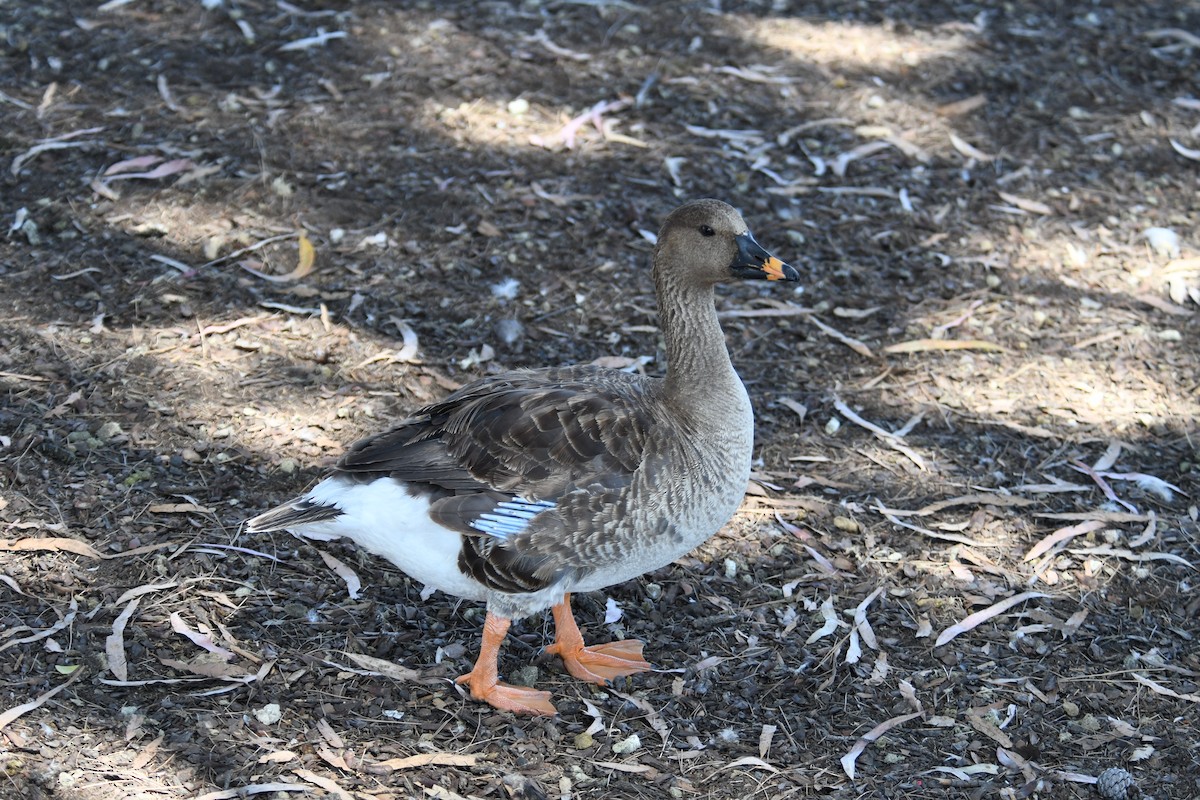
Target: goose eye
707,231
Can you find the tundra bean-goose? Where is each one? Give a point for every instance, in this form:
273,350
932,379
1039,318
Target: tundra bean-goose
521,488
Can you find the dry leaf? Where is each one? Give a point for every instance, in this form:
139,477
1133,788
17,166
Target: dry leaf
208,665
327,784
969,150
163,170
970,622
862,151
131,164
254,788
329,734
203,640
620,767
749,761
427,760
141,590
178,508
989,729
114,644
831,622
921,345
332,759
304,264
67,620
960,107
387,669
353,584
17,711
52,543
147,754
1032,206
1062,535
1186,152
861,745
764,740
1129,555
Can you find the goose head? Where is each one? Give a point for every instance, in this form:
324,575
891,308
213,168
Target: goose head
706,242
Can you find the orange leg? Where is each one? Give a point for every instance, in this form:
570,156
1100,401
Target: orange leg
484,678
599,663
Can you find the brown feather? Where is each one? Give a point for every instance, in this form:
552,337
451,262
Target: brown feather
572,435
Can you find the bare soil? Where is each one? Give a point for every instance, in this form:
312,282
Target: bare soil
988,385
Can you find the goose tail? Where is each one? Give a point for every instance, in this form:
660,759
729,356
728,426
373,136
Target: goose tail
298,513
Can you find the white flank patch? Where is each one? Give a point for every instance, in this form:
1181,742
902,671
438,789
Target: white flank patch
383,518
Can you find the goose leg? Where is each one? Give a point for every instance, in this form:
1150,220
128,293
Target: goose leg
599,663
484,678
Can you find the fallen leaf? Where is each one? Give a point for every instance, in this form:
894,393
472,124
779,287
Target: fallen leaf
114,644
207,665
1062,535
166,169
619,767
1186,152
428,760
203,640
304,264
387,669
53,543
861,745
327,784
141,590
178,508
353,584
921,345
970,622
966,149
67,620
17,711
254,788
1032,206
831,622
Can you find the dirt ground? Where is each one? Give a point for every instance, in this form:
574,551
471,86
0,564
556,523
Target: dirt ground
240,234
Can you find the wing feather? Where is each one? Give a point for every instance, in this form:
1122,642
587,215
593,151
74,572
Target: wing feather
573,437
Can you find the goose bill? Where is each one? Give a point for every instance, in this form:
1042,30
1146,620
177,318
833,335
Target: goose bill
753,261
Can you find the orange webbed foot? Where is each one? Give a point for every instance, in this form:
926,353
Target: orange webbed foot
599,663
506,697
484,679
602,663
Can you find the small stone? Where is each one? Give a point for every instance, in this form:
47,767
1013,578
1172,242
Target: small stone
1070,709
846,524
287,465
525,676
583,741
627,745
269,714
1163,241
518,107
109,431
832,426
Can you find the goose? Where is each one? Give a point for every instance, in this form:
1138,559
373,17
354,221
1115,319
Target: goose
524,487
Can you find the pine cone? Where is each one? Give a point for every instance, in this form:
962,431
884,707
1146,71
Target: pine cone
1117,784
